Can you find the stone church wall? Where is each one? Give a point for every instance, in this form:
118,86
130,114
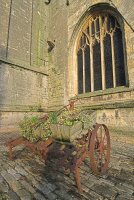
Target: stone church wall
23,59
65,25
33,79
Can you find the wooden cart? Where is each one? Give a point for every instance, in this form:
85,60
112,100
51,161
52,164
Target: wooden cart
93,144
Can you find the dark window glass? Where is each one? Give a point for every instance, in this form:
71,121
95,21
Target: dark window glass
87,69
108,61
87,30
97,67
92,28
112,22
97,25
81,42
108,24
80,72
119,58
97,28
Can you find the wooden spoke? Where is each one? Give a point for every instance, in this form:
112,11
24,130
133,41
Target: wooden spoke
100,149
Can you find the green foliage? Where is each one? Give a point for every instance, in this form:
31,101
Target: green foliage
3,196
68,117
53,118
33,129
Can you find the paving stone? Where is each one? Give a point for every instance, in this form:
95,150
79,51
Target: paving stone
11,163
11,171
85,189
123,197
3,173
35,183
30,177
105,190
123,189
41,187
86,196
63,194
88,183
32,171
48,182
17,176
51,196
27,168
1,179
21,171
45,190
129,186
24,195
4,187
13,196
39,196
27,186
9,178
15,185
52,187
94,195
107,182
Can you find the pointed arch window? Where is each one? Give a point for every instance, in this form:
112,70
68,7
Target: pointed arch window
100,54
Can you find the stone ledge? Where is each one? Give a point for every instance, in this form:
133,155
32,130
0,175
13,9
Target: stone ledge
109,105
103,92
23,65
22,108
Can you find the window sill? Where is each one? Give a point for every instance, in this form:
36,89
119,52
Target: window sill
103,92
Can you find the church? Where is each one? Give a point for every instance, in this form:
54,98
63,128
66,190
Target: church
56,51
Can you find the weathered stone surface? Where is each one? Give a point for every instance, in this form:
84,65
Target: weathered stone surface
25,28
5,12
51,196
23,194
17,176
21,171
13,196
4,187
105,190
11,171
38,196
8,177
28,186
16,186
1,179
23,59
52,184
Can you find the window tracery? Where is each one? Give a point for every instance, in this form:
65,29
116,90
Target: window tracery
100,54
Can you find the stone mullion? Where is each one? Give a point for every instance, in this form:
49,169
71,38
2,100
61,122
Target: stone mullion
102,54
91,60
83,57
113,60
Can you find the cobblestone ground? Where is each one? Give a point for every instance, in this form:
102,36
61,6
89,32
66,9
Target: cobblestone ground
27,177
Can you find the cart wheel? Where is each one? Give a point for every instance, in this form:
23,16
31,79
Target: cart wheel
99,149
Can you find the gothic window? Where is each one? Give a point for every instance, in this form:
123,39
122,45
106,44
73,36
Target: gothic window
100,54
